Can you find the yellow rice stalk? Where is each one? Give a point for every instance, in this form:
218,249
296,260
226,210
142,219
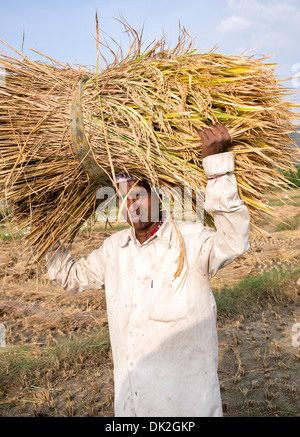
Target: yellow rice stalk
66,131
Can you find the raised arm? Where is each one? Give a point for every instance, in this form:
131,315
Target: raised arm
231,217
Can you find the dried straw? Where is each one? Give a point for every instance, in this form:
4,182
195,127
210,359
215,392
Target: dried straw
139,115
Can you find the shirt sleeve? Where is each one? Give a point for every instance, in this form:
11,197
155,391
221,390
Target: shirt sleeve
231,217
84,274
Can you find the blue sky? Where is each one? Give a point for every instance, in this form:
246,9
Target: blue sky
65,29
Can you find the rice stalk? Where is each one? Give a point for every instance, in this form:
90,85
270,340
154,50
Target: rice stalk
65,131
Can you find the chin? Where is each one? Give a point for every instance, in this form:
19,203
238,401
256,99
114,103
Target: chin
139,225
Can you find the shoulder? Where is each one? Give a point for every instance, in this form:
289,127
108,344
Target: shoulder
195,232
193,228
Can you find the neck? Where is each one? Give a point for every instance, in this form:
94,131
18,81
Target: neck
144,234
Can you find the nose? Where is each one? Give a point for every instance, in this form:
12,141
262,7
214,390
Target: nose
133,206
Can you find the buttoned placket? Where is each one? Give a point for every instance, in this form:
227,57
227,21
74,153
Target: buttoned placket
134,323
136,314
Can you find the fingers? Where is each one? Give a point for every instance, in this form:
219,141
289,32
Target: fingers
225,134
215,139
217,132
203,135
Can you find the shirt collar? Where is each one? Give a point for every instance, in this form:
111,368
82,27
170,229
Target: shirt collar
163,233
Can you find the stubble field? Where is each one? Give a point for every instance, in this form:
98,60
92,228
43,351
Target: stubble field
57,360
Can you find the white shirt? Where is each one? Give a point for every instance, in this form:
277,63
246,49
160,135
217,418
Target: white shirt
163,335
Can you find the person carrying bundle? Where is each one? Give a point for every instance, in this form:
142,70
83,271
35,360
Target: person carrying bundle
163,329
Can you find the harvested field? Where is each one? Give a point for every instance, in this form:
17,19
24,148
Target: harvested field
58,362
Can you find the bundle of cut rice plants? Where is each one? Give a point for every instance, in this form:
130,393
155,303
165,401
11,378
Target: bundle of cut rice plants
65,131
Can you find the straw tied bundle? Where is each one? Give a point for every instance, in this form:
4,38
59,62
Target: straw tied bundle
66,131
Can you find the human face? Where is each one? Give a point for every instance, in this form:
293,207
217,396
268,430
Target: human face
140,208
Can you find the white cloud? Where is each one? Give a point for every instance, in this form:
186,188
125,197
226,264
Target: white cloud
234,24
272,25
268,15
262,28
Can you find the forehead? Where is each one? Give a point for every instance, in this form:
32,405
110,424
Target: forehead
133,187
